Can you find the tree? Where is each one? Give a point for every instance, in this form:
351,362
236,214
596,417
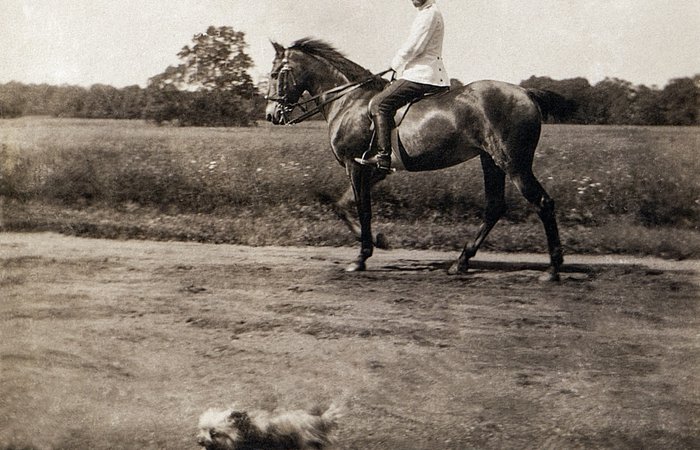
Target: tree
163,104
212,80
69,101
680,100
12,99
39,98
132,104
615,98
646,107
173,76
102,102
218,61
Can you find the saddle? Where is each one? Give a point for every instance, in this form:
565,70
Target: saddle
398,151
401,112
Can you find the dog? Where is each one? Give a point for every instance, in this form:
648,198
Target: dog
240,430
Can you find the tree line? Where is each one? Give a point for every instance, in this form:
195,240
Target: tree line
619,102
211,87
609,102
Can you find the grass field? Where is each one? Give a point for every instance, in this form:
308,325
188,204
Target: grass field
617,189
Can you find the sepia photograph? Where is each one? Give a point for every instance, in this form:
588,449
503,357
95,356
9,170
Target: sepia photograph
312,224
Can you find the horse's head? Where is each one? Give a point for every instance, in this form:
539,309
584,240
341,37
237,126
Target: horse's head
286,86
313,66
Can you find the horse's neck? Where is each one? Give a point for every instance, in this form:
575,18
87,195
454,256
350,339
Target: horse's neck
326,82
334,109
353,101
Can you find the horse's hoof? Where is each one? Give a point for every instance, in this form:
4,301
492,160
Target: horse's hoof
381,242
458,269
357,266
550,277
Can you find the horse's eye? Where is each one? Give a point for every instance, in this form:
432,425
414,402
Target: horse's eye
274,75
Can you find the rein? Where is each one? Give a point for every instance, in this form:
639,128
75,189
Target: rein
341,91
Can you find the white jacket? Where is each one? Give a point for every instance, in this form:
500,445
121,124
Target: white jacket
421,55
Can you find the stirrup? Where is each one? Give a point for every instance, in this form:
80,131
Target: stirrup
383,164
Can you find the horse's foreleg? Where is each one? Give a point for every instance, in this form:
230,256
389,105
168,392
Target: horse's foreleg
533,191
346,209
360,178
494,191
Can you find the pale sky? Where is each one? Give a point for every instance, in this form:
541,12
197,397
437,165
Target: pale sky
125,42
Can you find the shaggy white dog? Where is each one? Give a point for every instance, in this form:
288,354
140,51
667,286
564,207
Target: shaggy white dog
237,430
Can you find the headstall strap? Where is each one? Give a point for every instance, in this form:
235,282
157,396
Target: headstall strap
285,79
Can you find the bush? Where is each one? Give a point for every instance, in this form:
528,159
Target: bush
201,108
594,174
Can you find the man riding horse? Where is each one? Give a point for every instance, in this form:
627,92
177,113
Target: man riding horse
419,61
496,121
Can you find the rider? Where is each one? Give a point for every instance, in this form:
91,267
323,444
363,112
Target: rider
423,73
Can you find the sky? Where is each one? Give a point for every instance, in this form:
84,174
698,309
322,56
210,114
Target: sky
125,42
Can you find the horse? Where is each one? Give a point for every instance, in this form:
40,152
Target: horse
496,121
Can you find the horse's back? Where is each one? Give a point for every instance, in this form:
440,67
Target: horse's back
490,103
499,97
481,87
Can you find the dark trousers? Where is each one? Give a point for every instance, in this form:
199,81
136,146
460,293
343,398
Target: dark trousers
384,105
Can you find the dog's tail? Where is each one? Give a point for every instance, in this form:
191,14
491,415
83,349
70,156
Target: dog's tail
329,417
326,422
332,414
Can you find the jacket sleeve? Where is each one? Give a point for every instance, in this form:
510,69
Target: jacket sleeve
421,31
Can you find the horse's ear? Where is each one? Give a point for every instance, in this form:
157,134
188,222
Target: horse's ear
278,48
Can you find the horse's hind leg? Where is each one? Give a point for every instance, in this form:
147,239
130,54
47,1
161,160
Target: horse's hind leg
494,190
533,191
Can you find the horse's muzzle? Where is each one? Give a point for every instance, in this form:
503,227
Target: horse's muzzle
273,113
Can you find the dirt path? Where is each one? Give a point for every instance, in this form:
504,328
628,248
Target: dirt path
122,344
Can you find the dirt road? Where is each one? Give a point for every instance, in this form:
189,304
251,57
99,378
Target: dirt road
122,344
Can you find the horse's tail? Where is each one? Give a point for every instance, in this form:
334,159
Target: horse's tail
552,104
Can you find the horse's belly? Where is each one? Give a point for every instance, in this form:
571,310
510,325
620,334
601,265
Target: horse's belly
418,155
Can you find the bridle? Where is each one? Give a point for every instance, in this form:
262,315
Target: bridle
284,77
286,80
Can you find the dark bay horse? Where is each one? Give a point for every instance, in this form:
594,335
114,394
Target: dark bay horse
498,122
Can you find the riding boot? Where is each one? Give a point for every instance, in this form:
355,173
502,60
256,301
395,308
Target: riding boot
382,129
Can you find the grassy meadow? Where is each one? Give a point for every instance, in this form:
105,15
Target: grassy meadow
618,189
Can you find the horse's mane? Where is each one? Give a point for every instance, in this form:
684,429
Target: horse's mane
324,50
